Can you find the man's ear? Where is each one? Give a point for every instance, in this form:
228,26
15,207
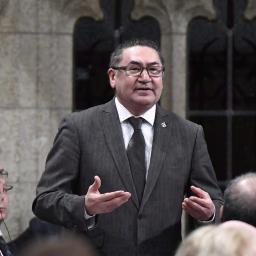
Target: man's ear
112,77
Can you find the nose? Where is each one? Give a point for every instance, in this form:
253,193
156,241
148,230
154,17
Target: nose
144,74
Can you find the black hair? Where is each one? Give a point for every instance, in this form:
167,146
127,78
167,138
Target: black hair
116,55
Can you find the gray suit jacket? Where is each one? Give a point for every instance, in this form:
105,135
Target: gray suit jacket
90,143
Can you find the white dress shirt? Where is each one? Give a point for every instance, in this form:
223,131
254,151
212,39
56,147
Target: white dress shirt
146,128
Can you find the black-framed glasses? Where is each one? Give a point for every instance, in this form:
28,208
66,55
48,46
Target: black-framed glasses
136,69
4,175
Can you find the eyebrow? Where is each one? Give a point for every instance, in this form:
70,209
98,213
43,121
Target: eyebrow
148,64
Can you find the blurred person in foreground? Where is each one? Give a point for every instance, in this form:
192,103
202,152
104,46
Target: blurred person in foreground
128,199
4,204
232,238
37,230
240,199
66,245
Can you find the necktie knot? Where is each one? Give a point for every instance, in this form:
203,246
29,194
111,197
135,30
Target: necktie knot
136,122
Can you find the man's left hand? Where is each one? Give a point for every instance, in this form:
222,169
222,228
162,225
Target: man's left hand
200,206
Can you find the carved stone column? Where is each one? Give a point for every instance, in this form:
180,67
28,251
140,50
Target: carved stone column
174,17
61,15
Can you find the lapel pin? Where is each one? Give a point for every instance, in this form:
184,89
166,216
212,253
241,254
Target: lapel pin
163,125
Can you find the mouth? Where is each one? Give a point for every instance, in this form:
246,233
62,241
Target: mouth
144,92
143,89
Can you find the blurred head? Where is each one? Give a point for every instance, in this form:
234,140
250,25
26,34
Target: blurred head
241,238
136,74
234,238
194,243
4,198
68,245
240,198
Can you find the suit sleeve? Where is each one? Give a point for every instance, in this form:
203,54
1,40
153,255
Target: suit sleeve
55,199
203,174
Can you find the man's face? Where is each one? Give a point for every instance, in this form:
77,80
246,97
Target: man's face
4,200
137,93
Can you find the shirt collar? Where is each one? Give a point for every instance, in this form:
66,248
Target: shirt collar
124,113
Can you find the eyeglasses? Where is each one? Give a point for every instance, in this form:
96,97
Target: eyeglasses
136,69
4,175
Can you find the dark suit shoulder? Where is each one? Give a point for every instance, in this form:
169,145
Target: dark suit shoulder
87,116
185,122
178,121
87,113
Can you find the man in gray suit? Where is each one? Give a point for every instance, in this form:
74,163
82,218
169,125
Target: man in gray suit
88,184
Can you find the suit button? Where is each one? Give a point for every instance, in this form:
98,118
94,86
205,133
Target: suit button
140,216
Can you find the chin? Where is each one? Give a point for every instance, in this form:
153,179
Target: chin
147,103
146,100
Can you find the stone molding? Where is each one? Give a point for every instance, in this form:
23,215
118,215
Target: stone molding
81,8
155,9
76,8
65,13
178,13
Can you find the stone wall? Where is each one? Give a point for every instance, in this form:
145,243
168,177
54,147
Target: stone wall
35,89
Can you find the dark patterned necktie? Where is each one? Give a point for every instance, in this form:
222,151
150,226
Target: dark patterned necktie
136,156
4,247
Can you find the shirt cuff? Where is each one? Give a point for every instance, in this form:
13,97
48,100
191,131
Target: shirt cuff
90,220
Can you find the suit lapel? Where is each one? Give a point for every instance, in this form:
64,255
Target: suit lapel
159,147
4,249
114,139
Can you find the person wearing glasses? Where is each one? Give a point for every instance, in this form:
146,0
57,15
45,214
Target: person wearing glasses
4,204
119,172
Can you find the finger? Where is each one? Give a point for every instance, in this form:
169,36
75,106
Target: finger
200,201
114,195
96,184
192,204
199,192
111,205
192,209
193,212
103,203
97,180
202,212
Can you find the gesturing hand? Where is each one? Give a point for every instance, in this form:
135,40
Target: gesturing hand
199,206
96,203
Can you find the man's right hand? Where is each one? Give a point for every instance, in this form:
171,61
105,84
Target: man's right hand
97,203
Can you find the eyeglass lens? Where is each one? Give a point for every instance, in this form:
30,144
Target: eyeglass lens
137,69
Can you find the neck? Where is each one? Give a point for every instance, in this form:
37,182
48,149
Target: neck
137,110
